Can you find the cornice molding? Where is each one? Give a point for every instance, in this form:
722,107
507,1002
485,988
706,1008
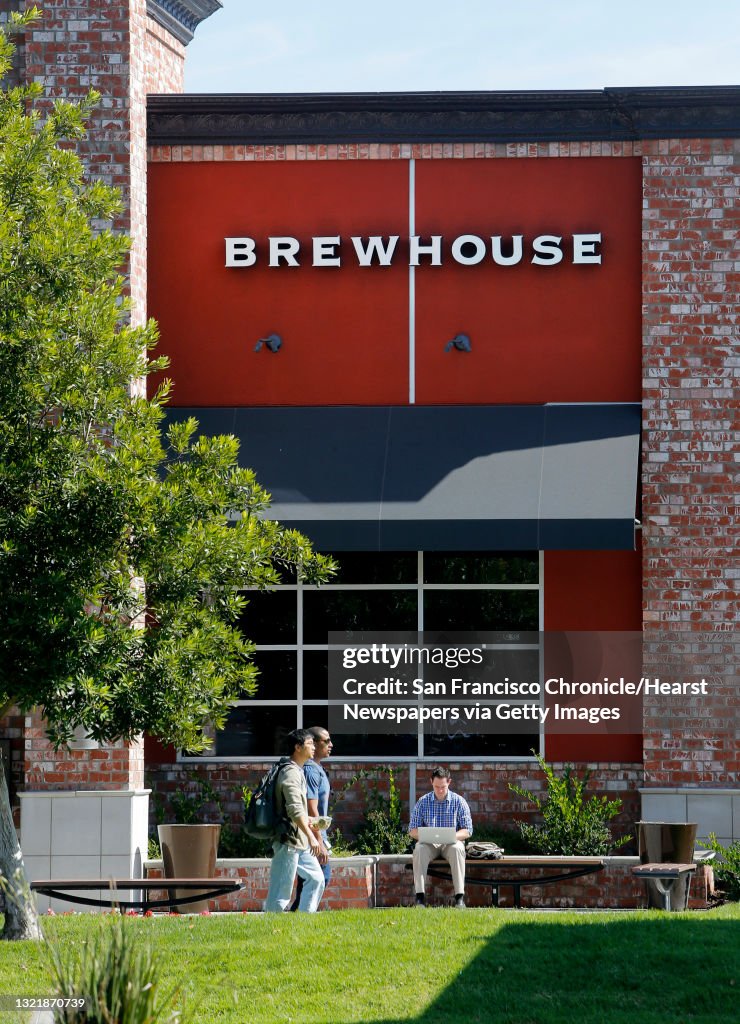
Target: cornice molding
608,114
181,17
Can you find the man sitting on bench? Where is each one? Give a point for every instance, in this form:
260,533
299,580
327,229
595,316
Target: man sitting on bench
440,822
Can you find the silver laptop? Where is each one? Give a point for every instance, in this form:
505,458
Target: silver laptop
442,836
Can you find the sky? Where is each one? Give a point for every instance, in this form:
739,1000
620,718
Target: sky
406,45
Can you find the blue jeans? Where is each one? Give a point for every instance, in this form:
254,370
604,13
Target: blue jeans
326,869
288,860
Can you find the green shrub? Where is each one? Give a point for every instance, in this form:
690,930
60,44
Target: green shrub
727,867
571,825
383,829
510,840
116,974
340,846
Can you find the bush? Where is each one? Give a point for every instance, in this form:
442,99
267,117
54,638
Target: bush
572,825
383,830
727,868
116,975
340,845
508,839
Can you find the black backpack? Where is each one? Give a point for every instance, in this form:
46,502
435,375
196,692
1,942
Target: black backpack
263,819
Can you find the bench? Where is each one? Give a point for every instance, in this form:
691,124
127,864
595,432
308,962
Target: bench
665,877
203,889
577,867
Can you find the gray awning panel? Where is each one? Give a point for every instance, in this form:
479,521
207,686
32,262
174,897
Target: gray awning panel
444,477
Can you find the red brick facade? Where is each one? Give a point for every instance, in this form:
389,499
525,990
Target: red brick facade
690,226
690,414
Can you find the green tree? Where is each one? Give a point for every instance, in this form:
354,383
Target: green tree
119,570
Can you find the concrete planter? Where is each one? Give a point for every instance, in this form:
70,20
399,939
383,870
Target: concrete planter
662,842
189,851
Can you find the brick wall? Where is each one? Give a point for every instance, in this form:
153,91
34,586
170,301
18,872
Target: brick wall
351,886
165,61
690,360
115,766
484,786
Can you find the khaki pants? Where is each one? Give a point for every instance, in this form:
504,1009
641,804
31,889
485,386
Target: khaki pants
454,854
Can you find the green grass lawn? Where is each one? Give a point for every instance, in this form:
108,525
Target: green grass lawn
429,966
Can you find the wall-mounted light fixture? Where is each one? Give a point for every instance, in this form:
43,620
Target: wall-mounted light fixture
273,342
461,342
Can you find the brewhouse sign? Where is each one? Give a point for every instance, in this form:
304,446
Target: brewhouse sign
383,250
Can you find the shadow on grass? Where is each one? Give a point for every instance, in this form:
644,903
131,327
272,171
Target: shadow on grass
656,970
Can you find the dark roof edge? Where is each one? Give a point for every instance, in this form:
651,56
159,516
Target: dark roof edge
182,17
578,115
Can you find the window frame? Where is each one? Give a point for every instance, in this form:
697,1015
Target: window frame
299,647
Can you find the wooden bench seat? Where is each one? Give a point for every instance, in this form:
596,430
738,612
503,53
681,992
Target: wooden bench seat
564,869
665,877
67,888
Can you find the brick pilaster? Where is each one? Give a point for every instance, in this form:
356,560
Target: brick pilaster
115,48
691,223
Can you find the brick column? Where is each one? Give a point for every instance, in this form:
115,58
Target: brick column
120,50
691,224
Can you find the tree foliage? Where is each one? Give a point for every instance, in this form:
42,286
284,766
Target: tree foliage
120,574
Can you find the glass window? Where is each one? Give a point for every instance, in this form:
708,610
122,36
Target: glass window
480,745
460,592
270,616
480,610
255,731
377,611
371,567
514,567
277,679
315,675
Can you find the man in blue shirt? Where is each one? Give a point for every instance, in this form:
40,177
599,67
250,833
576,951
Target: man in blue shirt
317,795
441,809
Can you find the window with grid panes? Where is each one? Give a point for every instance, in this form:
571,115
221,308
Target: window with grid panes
375,592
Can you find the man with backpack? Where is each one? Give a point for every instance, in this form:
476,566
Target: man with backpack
297,848
318,791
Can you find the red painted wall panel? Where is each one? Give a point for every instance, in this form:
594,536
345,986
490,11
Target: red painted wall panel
593,590
563,333
567,333
344,330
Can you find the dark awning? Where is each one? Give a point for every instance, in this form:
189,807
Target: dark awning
444,477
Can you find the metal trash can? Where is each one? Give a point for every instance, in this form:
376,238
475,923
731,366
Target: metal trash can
667,842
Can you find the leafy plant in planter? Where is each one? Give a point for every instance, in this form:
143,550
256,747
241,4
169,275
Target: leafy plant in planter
383,829
727,867
572,824
186,806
